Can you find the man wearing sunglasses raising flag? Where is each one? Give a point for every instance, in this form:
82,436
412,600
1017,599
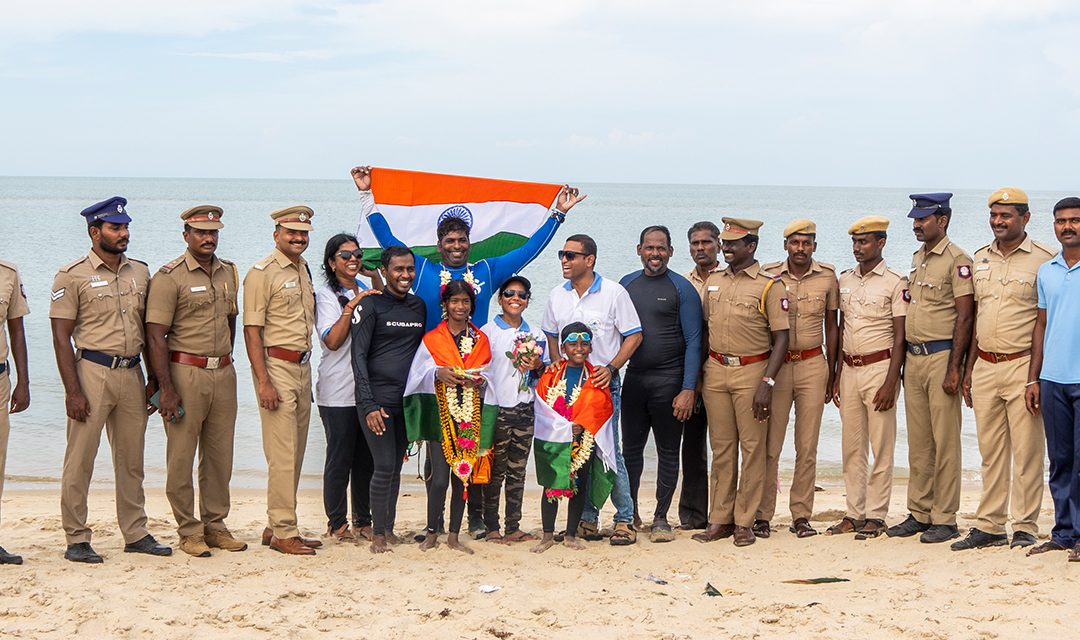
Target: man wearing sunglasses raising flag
606,307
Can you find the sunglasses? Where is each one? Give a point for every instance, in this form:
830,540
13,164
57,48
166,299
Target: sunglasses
582,337
348,255
512,293
570,256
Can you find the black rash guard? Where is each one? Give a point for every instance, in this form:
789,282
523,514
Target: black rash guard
670,311
386,331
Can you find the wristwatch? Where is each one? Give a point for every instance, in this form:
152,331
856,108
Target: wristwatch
769,381
558,215
613,369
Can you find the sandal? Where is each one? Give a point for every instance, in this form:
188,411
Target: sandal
761,528
847,525
623,535
802,529
871,529
343,534
588,531
1049,545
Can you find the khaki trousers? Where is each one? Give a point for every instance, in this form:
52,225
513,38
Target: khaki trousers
729,400
1012,443
5,423
117,400
863,429
284,433
933,426
209,400
802,384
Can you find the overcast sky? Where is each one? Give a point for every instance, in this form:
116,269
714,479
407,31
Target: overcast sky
842,92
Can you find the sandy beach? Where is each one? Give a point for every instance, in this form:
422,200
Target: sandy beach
899,587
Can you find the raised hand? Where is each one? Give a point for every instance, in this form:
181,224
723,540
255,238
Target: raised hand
362,177
568,197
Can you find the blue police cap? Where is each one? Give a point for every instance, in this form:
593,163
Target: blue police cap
113,210
924,204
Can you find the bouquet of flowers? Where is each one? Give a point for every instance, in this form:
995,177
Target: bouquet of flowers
525,345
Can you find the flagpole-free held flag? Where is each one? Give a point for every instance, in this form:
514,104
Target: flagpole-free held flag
502,214
553,436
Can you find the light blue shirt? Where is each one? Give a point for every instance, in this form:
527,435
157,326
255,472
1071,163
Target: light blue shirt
1059,295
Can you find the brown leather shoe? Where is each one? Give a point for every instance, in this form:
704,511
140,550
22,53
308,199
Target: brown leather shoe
714,532
292,546
311,542
744,536
847,525
762,528
267,535
223,539
871,529
194,546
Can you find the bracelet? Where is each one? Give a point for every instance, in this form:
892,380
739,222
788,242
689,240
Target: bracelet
558,215
1031,383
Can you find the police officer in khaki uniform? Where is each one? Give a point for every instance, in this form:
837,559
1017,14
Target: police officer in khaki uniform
747,316
806,376
12,309
1011,440
873,304
279,315
704,240
98,303
191,328
938,331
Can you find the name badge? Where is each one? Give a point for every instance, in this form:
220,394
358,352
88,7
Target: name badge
713,288
982,267
198,289
290,285
845,290
99,283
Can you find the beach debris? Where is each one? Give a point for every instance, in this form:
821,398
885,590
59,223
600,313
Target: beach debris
489,588
711,590
652,578
816,581
502,635
445,612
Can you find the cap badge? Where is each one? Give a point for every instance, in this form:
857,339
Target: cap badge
210,216
1005,195
119,208
302,217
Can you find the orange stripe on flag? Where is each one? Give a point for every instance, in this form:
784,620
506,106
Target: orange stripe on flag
410,188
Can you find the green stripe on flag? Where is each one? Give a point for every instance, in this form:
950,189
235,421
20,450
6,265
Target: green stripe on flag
488,413
552,464
601,482
496,245
422,418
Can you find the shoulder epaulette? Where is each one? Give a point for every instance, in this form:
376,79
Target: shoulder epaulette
169,266
8,265
140,262
771,265
895,272
826,265
848,270
261,264
768,274
69,267
985,247
1045,247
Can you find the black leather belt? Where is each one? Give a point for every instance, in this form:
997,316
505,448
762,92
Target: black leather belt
112,362
3,367
928,348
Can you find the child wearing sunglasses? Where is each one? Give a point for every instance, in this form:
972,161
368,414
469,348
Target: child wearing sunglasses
574,437
511,376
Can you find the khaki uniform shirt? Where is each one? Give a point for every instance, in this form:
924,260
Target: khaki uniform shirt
698,281
107,306
732,306
1006,296
195,305
809,298
278,297
937,278
869,303
12,302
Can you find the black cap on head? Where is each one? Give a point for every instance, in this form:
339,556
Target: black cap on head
1072,202
516,278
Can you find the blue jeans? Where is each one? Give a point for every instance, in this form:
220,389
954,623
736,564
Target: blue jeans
620,493
1061,416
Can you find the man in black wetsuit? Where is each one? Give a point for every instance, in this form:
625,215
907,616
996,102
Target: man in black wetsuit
386,331
659,390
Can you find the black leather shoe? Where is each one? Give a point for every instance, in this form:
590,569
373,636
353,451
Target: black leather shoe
82,552
940,533
9,558
909,527
1022,539
762,528
148,545
977,539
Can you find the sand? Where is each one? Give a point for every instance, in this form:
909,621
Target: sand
897,587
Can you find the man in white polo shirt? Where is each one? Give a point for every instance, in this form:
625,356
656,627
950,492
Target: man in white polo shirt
608,311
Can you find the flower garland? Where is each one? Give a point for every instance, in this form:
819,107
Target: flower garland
460,411
469,277
581,447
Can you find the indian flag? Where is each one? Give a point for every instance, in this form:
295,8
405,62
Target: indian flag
553,436
502,214
438,349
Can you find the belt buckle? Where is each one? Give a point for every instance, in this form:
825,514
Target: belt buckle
213,362
917,349
730,361
304,357
120,363
1000,357
856,361
794,356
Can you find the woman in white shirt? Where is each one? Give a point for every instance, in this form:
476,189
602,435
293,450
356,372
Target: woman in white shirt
348,460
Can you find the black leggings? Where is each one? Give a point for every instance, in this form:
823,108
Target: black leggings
387,454
348,462
441,480
646,405
549,509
